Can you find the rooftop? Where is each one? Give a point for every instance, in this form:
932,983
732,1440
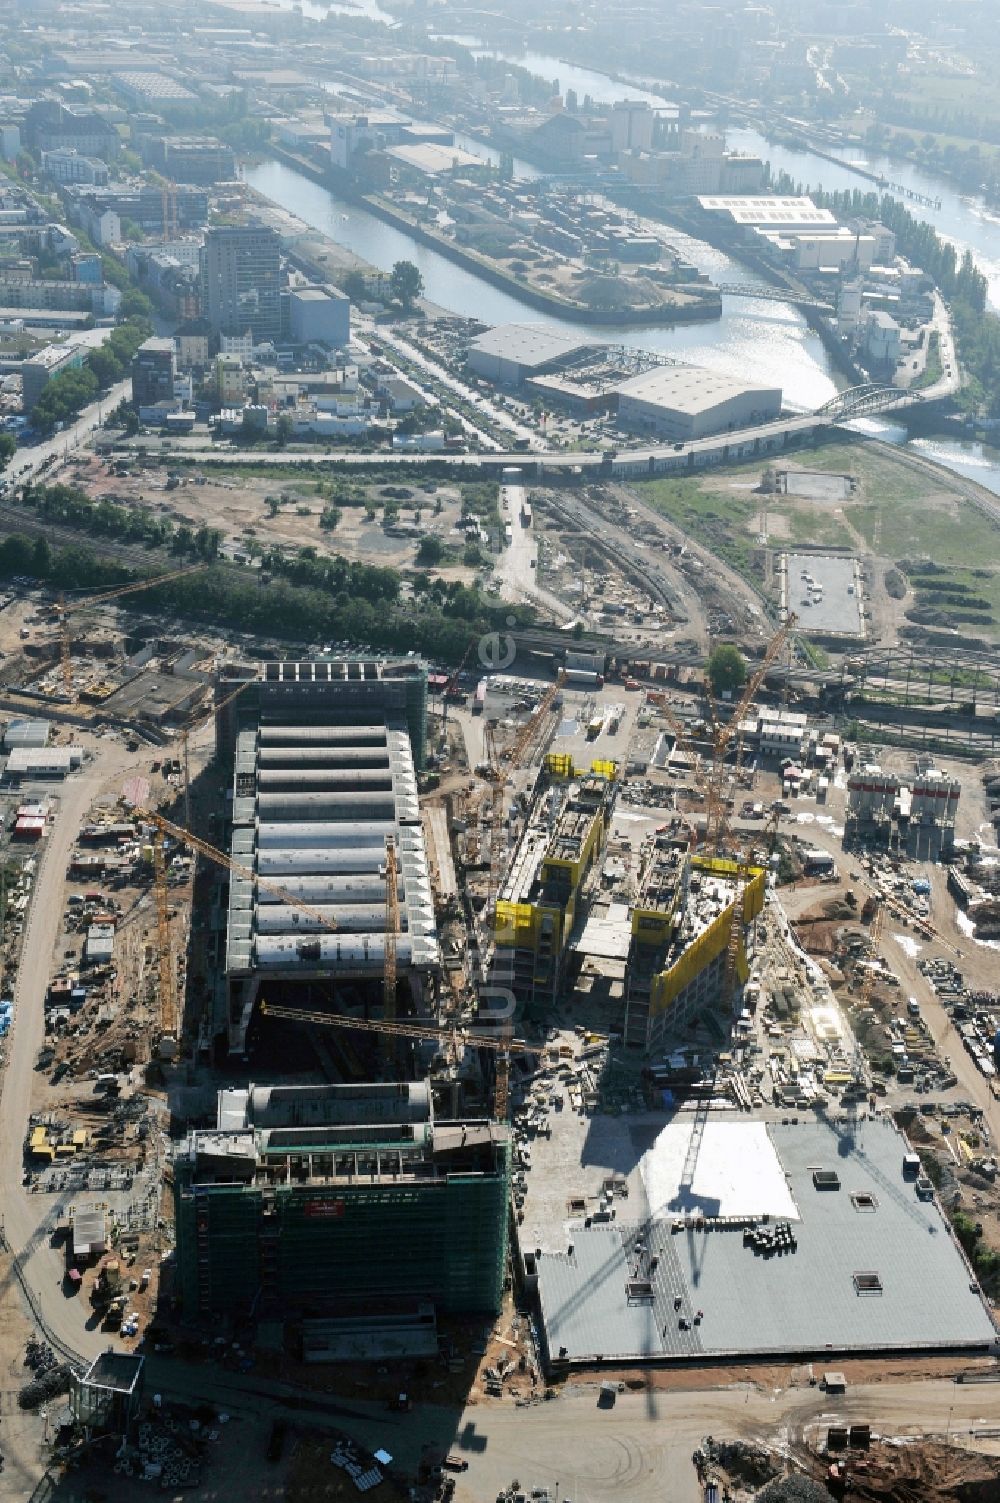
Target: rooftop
117,1371
687,388
866,1253
529,344
769,211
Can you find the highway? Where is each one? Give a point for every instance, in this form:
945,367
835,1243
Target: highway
628,462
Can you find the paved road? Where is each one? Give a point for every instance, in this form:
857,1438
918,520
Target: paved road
637,1452
27,462
26,1218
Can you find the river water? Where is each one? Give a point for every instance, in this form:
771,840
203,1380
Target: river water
754,340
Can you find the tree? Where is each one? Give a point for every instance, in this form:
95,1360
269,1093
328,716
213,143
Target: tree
63,398
330,518
406,283
726,669
356,286
8,448
282,430
430,551
135,304
41,558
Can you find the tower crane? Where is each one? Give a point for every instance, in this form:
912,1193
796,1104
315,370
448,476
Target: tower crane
453,1038
164,945
64,610
451,685
725,732
508,760
238,868
391,927
165,959
196,725
500,762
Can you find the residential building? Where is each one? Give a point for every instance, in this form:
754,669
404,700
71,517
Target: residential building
51,126
154,366
66,165
682,923
190,159
241,281
45,363
541,892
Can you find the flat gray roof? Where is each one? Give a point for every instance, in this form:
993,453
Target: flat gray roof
805,1301
529,344
690,388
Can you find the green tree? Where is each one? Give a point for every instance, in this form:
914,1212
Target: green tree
63,397
8,448
356,286
41,558
135,304
726,669
405,283
330,518
430,551
282,430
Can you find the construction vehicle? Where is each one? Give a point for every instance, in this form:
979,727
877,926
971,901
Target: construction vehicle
64,610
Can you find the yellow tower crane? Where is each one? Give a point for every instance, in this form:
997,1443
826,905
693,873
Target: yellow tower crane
164,942
391,927
211,853
451,1038
723,735
162,828
196,725
64,610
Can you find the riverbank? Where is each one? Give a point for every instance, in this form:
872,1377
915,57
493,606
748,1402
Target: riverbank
706,306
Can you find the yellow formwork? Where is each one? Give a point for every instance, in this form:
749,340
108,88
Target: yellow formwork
709,945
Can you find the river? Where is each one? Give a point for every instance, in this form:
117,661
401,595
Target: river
754,341
963,221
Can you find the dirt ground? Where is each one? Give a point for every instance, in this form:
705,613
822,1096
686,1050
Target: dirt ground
239,509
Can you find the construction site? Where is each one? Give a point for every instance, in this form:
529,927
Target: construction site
578,1060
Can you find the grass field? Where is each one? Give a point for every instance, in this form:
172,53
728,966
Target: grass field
897,512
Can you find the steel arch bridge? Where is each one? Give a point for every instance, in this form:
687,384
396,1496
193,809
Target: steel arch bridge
862,401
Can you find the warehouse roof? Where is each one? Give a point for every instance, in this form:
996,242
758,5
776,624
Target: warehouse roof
688,388
432,159
769,211
529,344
